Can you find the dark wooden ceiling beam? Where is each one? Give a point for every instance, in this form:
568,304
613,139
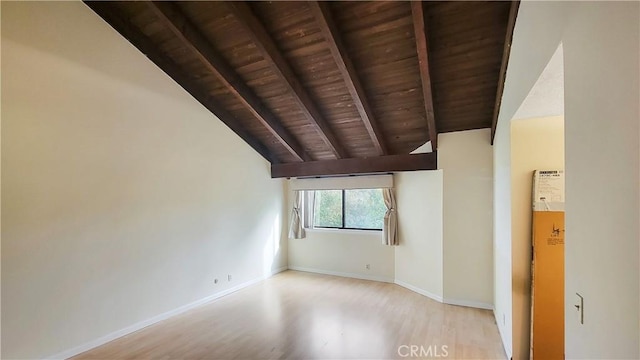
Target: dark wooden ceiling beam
420,30
140,41
378,164
513,13
279,64
322,14
194,40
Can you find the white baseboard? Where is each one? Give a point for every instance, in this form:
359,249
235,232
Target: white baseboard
342,274
467,303
438,298
432,296
275,271
473,304
142,324
505,344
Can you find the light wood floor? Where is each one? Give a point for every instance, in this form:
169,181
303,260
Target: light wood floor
296,315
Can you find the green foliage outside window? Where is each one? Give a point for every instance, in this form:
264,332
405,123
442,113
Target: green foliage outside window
363,209
328,209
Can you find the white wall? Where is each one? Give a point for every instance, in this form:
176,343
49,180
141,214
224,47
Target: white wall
416,263
444,226
537,34
466,159
502,287
536,144
121,200
418,258
602,72
343,253
601,46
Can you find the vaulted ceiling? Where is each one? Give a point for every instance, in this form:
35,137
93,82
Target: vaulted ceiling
325,88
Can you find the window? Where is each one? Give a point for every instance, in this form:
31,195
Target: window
361,209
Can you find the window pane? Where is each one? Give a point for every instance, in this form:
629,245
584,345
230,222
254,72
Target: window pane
364,209
328,208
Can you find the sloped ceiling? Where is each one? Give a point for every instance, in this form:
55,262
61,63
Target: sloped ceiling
546,98
326,88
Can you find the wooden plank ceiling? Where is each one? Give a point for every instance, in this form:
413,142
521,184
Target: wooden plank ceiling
326,88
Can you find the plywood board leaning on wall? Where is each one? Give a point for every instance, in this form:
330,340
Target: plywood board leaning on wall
547,267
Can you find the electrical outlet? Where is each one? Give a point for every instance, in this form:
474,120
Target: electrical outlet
368,267
228,277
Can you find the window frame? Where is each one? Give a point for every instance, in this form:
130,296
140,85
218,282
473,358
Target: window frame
311,217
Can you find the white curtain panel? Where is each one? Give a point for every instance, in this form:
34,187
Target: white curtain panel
297,229
390,228
308,210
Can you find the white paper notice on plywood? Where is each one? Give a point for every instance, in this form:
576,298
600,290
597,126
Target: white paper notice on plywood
548,190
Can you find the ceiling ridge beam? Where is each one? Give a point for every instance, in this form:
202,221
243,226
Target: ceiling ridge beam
323,16
367,165
513,13
420,30
193,39
144,44
281,66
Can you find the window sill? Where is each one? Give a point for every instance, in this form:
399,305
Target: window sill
346,231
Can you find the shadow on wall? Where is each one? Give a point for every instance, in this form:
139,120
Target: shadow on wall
89,45
271,250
